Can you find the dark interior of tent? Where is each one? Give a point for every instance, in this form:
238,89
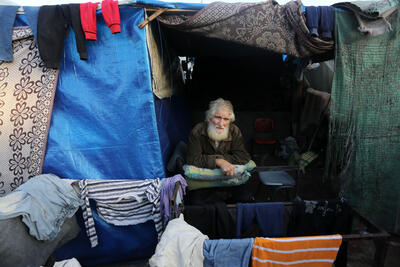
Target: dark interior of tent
260,84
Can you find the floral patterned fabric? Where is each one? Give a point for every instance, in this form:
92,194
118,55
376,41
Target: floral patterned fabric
26,98
266,25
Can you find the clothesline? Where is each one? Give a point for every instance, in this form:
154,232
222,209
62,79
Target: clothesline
130,2
120,2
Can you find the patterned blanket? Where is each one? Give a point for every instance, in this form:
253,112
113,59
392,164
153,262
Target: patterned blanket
26,98
265,25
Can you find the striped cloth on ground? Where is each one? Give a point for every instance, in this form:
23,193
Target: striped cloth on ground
121,202
318,251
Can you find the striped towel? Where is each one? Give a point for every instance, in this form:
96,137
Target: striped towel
121,202
318,251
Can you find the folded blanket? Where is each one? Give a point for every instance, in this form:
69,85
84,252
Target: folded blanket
205,178
204,174
227,252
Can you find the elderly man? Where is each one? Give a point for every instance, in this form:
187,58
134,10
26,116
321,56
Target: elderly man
217,142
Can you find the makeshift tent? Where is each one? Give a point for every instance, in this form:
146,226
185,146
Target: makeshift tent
106,123
364,123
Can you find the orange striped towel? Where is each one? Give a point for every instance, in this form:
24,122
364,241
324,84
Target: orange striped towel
318,251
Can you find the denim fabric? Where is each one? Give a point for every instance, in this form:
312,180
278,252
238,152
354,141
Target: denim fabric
7,18
312,19
44,202
32,13
227,252
327,21
268,215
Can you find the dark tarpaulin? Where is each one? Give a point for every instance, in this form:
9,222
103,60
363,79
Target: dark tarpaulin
266,25
364,140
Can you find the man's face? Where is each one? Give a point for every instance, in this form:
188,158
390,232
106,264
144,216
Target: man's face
218,126
221,120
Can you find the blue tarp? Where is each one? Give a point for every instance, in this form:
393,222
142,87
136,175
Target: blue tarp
178,5
103,123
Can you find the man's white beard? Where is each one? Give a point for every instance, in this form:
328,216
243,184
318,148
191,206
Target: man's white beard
216,135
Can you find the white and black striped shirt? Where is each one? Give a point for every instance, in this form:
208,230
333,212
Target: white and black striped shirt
121,202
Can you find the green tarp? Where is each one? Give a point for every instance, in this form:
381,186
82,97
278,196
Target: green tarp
364,138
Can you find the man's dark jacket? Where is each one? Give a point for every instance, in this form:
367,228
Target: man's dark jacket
202,151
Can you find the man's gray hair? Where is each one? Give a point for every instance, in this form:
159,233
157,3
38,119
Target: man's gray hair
220,104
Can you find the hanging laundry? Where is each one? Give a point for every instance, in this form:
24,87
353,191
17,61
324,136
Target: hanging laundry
180,245
318,251
167,189
321,217
268,216
227,252
7,18
212,220
44,202
312,20
111,15
53,26
121,202
320,21
88,20
327,21
32,13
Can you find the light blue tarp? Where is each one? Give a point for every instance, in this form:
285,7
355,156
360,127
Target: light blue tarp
103,123
169,4
104,127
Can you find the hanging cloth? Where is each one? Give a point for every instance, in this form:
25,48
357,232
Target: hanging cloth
121,202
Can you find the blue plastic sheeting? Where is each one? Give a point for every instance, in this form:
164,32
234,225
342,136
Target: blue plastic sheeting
169,4
103,123
116,244
174,123
21,20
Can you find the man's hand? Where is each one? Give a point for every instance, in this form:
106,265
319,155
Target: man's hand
225,166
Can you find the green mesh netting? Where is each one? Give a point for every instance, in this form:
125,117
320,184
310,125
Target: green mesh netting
364,137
